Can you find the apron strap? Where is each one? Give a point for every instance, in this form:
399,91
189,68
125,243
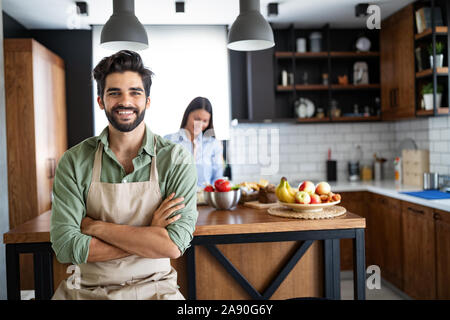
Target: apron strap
96,171
153,170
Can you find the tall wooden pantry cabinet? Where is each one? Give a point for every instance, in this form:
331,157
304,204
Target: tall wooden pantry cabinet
35,127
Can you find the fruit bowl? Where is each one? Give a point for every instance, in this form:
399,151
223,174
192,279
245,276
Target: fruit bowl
309,207
223,200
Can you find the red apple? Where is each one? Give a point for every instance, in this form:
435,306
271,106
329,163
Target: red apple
315,198
302,197
307,186
209,188
323,188
222,185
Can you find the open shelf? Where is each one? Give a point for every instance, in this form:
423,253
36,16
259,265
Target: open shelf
284,88
424,113
349,119
314,119
355,86
310,87
429,72
440,31
352,54
324,54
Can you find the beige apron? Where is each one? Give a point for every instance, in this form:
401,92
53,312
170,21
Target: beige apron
132,277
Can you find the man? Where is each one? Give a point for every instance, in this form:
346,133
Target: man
108,213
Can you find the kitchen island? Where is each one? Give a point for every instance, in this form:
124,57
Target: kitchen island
240,254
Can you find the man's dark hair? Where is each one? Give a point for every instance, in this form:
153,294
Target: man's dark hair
122,61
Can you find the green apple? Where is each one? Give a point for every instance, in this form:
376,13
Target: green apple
302,197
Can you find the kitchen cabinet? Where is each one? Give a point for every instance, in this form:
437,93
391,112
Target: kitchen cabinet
355,202
419,251
442,228
390,246
383,234
35,127
397,65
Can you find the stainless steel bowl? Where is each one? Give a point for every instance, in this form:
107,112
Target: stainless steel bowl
223,200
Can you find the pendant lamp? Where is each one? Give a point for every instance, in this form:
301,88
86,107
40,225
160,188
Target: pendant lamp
250,31
123,29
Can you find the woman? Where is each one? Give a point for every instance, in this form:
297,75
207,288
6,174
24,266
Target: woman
196,134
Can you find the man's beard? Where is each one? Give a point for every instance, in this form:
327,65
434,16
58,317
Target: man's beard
125,127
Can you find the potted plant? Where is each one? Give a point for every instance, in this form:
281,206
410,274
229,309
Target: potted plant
439,54
427,94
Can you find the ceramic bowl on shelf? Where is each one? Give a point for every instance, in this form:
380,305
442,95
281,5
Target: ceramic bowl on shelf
308,207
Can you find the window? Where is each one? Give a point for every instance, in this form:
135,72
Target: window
188,61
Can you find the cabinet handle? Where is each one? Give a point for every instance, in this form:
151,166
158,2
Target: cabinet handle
437,216
51,167
416,211
390,98
395,97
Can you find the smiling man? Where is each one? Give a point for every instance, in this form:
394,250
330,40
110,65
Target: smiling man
108,212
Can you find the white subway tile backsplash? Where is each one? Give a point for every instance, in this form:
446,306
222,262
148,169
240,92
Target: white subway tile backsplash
445,159
303,148
445,134
439,122
369,137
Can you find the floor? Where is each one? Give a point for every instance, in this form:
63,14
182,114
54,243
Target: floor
386,292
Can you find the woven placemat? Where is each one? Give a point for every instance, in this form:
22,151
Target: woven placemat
326,213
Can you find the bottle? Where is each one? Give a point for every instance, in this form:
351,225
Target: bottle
398,169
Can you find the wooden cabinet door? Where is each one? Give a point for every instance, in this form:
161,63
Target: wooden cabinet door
392,268
356,203
387,68
418,251
50,119
442,224
397,65
377,234
404,91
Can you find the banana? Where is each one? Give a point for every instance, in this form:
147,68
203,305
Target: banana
292,191
284,192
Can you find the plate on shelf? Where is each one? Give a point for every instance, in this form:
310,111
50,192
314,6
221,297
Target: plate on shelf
309,108
308,207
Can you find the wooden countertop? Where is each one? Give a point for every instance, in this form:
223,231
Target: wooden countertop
210,222
248,220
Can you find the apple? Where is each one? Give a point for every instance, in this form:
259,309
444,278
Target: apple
307,186
222,185
315,198
323,188
209,188
302,197
336,197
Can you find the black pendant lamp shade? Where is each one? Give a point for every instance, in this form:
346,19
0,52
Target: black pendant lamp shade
123,30
250,31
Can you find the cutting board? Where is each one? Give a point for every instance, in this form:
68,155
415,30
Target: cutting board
259,205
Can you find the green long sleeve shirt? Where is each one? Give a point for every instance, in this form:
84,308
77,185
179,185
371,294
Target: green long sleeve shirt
176,173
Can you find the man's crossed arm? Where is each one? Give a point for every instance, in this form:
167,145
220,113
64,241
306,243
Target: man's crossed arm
112,241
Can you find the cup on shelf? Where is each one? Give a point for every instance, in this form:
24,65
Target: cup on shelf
301,45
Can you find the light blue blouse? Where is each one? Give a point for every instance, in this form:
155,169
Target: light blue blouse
208,158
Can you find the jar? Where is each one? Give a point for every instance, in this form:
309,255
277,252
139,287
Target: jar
366,171
315,39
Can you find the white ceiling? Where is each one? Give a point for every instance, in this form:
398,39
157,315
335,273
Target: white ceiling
58,14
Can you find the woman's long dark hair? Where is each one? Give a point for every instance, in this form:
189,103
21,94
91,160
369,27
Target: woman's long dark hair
196,104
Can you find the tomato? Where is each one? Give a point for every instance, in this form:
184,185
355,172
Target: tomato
209,188
222,185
